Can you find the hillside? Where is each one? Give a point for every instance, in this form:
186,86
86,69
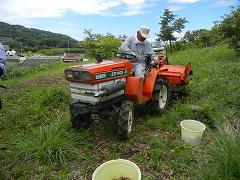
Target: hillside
34,39
37,141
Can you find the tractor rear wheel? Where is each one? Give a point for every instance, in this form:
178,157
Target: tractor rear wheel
125,120
160,95
81,121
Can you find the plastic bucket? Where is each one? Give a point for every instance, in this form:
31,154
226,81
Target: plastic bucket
192,131
117,169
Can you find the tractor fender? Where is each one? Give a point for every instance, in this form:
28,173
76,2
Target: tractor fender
149,83
187,73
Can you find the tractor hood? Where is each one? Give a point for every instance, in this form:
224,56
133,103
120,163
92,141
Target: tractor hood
99,72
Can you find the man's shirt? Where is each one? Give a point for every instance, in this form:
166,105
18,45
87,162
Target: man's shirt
140,49
2,57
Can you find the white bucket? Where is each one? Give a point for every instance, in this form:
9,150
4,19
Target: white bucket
117,169
192,131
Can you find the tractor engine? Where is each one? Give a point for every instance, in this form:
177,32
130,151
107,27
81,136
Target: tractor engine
98,82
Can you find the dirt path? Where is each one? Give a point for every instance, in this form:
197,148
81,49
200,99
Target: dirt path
41,81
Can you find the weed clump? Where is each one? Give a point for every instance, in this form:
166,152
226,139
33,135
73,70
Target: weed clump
223,156
50,144
203,115
19,72
53,98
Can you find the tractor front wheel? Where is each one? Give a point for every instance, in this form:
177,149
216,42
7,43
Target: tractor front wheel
81,121
125,120
160,95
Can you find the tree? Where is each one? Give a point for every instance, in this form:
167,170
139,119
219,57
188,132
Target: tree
89,42
106,45
205,37
231,27
169,24
191,36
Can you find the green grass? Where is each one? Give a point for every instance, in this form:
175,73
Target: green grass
55,143
222,160
37,141
15,74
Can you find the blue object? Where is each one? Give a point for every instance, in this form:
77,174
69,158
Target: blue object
2,59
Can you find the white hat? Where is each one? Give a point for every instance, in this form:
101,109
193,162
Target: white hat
144,31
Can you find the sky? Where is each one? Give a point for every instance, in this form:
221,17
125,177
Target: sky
118,17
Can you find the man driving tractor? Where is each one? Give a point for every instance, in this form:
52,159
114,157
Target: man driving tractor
139,47
110,90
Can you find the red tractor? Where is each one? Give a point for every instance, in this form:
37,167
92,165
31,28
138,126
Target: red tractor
110,90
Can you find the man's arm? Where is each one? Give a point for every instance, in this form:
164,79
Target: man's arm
125,47
151,53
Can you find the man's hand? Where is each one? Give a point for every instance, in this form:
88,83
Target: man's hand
135,58
153,63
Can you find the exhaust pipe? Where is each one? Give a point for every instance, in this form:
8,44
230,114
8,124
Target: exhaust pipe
109,90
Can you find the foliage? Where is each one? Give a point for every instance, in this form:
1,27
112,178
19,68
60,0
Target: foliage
192,36
89,42
230,26
50,144
54,51
223,31
169,24
52,98
204,37
106,45
214,37
30,39
15,72
26,40
223,160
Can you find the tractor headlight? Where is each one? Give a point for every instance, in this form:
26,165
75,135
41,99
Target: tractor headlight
85,75
79,75
68,74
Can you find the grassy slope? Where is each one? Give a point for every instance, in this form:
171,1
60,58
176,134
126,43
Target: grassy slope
37,140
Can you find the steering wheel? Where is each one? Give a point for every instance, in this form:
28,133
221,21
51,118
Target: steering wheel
127,56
